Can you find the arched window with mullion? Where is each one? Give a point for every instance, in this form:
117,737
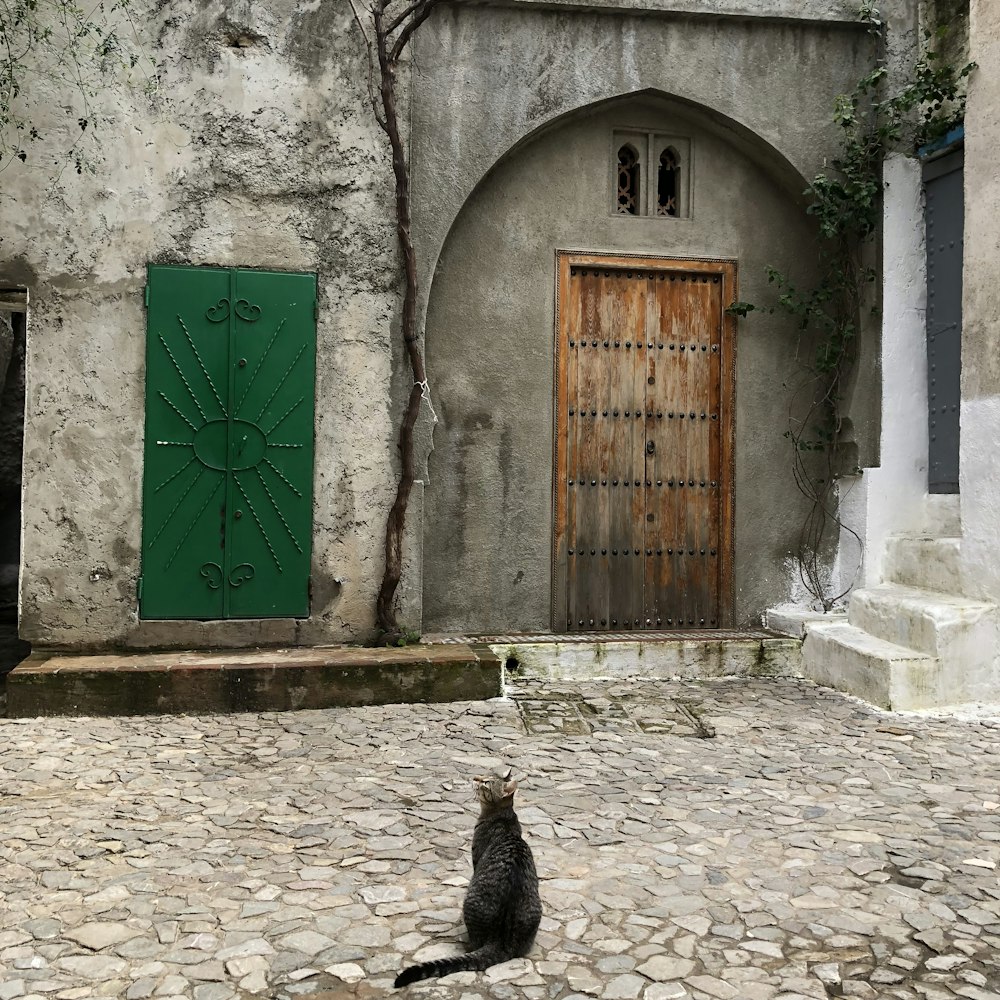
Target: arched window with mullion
628,181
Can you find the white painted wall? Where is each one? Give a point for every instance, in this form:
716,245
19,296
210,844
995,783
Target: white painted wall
979,471
979,481
848,567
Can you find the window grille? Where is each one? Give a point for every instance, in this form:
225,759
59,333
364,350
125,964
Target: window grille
628,181
667,183
650,174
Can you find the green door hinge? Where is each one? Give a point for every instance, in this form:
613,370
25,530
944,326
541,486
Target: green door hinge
138,589
146,295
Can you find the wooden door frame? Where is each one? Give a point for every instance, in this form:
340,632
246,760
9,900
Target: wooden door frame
726,269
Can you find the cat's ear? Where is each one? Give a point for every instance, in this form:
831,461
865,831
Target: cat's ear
509,786
509,774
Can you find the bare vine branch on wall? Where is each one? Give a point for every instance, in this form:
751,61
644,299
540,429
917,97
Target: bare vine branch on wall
386,28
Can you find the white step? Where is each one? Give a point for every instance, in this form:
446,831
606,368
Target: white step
943,514
930,562
882,673
956,629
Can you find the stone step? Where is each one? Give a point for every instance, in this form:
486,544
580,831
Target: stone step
271,680
926,561
943,514
893,677
796,621
957,629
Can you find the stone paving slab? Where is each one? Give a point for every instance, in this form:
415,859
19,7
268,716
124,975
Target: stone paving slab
713,841
249,680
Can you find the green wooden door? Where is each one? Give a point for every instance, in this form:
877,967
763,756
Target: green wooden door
227,490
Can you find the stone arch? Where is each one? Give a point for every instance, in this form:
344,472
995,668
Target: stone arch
777,162
489,340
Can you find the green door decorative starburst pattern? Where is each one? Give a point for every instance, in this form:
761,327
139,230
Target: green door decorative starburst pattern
227,489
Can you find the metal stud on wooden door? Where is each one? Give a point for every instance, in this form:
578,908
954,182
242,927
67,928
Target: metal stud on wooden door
684,586
642,532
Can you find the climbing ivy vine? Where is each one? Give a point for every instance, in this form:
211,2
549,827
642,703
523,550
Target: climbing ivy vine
846,201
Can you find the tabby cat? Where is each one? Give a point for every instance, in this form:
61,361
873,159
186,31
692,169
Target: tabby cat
502,907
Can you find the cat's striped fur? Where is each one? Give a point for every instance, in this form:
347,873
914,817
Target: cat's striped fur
502,907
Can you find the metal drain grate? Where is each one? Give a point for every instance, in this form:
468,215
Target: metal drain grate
691,635
578,716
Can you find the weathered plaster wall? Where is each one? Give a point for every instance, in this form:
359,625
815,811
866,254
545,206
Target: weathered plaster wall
954,16
980,430
265,155
257,156
490,347
511,72
511,75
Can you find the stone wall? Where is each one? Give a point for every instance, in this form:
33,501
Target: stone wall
259,150
980,429
510,145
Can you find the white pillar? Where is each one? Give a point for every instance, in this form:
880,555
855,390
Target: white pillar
895,491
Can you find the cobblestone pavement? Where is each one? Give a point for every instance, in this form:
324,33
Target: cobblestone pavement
717,840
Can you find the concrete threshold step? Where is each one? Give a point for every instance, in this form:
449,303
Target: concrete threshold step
883,673
260,680
573,657
633,636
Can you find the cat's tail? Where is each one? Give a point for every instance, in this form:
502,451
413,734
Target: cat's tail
491,953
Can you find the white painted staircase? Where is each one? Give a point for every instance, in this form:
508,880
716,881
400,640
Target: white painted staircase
912,642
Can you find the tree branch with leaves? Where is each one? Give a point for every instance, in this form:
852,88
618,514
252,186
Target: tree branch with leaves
77,52
387,26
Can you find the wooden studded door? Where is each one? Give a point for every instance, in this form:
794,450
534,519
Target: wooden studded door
643,444
227,492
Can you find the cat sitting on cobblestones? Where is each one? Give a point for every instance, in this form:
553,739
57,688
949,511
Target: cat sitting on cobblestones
502,907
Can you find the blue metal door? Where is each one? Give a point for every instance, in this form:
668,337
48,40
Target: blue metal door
945,208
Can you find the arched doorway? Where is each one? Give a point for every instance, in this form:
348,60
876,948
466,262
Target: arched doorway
491,502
